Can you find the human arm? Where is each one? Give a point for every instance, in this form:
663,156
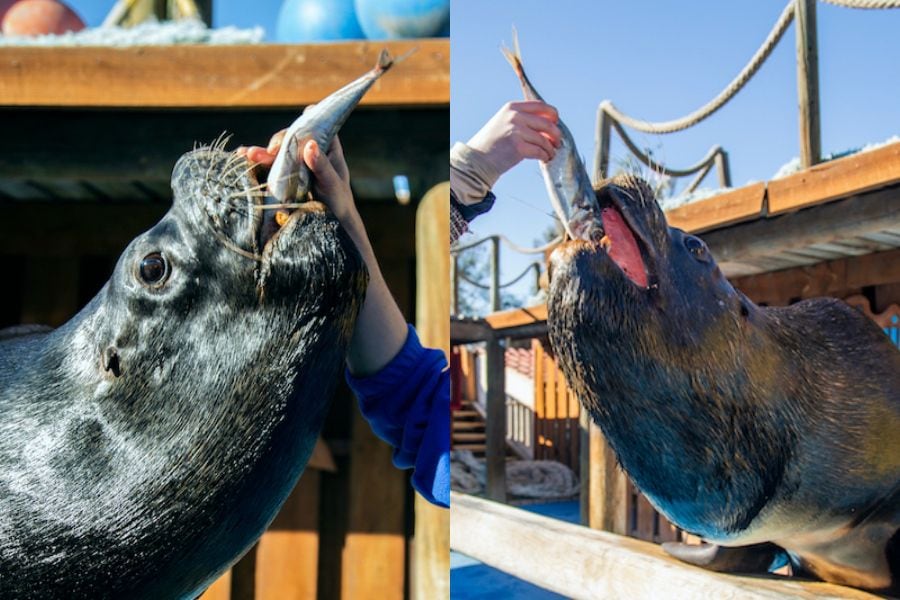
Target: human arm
517,131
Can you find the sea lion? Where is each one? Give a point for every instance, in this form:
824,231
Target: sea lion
743,424
148,442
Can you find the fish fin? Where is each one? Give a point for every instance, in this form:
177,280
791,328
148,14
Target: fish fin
514,56
385,61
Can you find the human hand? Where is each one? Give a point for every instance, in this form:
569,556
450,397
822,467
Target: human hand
517,131
331,177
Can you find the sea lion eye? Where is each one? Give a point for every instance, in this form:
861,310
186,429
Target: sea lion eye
154,269
697,248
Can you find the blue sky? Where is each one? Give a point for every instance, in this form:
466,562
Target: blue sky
659,60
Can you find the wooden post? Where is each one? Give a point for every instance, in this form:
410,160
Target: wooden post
495,426
607,487
601,157
808,82
430,565
722,169
495,273
454,285
584,467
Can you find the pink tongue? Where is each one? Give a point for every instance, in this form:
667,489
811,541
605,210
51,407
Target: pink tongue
624,249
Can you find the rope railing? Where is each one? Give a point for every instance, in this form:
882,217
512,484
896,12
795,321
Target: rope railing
865,4
724,96
512,245
535,266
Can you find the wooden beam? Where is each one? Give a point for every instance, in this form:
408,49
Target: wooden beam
835,221
517,317
495,422
824,279
730,207
283,75
430,565
467,331
836,179
119,147
578,562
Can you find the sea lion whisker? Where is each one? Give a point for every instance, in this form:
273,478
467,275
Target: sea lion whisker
234,247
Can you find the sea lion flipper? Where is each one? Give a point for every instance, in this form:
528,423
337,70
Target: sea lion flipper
758,558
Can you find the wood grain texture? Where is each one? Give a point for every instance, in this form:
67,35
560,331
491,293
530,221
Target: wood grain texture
374,554
585,563
835,179
430,565
730,207
835,277
517,316
220,76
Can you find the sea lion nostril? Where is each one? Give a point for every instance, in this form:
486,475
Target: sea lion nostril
111,361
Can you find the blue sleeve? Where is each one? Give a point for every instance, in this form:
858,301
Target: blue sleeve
407,404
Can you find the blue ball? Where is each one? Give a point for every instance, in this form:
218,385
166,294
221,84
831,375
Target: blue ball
387,19
317,21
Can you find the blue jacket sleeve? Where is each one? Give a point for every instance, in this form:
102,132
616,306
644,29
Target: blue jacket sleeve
407,404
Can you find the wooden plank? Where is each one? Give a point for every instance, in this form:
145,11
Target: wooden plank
578,562
607,509
835,179
287,555
374,554
836,277
517,317
766,239
495,422
220,76
430,565
730,207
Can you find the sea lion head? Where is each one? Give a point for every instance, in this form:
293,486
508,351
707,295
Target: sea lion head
188,395
627,265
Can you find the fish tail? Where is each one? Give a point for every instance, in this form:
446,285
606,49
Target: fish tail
385,61
514,57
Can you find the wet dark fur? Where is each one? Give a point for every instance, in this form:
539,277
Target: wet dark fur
148,442
720,410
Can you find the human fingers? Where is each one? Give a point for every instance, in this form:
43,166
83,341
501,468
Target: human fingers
256,154
530,138
336,156
275,142
327,178
536,107
540,124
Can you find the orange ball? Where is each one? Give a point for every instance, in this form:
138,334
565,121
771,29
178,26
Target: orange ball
40,17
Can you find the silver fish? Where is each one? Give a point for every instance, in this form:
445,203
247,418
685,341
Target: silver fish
565,176
288,179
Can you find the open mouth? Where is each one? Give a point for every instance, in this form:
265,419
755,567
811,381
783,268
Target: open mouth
619,239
